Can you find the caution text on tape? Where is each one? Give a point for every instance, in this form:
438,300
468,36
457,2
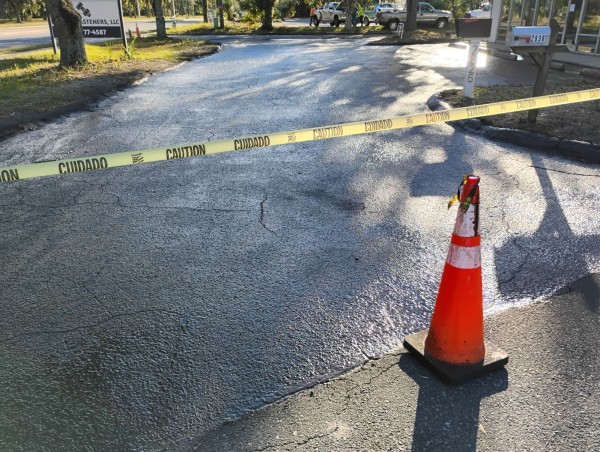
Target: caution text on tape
58,167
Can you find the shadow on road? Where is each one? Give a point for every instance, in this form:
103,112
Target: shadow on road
523,262
447,417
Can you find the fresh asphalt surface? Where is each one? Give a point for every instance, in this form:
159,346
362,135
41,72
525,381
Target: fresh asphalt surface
142,306
546,399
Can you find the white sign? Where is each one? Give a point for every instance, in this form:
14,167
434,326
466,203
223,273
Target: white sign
469,80
100,18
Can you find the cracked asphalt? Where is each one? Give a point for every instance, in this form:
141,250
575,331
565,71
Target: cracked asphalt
143,306
545,399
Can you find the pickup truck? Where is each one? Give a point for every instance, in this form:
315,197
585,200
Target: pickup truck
426,15
485,12
331,13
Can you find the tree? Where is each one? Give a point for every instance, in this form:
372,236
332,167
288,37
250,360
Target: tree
161,30
262,8
205,10
69,31
349,6
267,6
412,7
17,6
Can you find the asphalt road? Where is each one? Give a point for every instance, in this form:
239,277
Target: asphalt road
27,35
144,305
545,399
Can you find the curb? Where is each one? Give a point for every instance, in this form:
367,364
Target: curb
578,150
382,42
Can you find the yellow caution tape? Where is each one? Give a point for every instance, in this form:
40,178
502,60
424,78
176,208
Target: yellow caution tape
13,173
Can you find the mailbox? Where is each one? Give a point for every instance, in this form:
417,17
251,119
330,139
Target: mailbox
473,28
528,36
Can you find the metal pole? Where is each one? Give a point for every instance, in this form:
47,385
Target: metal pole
551,15
564,33
122,20
496,20
510,15
535,12
525,2
580,24
51,25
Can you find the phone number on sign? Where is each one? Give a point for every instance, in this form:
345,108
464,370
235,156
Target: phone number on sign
94,32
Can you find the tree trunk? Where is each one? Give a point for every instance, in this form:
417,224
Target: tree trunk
17,7
349,6
161,30
267,24
412,7
69,31
205,10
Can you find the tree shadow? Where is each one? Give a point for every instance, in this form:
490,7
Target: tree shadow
553,259
434,178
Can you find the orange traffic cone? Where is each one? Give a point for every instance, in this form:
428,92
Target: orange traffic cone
453,346
137,31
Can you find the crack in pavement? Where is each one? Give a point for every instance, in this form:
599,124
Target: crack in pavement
261,218
92,325
563,172
298,443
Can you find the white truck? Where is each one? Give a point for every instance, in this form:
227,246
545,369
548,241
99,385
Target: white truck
331,13
485,12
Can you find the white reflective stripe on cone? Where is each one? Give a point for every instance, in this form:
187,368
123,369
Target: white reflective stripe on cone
465,257
465,222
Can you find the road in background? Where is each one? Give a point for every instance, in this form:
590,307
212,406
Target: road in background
144,305
27,35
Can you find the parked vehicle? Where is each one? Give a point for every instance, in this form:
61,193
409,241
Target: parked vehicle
331,13
370,17
426,15
389,7
485,12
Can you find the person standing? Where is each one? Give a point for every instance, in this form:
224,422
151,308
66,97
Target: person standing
312,15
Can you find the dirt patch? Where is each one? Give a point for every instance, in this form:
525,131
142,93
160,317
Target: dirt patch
420,36
567,122
79,90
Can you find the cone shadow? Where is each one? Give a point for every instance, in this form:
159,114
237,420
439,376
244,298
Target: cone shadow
447,417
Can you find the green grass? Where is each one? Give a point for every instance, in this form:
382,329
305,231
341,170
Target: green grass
26,23
28,48
35,77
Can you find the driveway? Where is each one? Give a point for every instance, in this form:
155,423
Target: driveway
144,305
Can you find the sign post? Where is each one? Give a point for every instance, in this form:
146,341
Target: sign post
51,25
474,30
469,79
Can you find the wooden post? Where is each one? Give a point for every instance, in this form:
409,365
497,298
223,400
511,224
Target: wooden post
540,81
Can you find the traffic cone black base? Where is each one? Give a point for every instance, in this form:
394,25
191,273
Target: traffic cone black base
494,359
